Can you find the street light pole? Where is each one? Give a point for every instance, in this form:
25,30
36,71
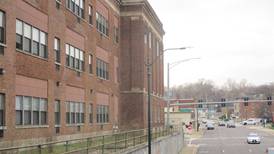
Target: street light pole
148,106
148,67
169,66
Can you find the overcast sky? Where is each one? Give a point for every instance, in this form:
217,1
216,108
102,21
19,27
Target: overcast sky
234,38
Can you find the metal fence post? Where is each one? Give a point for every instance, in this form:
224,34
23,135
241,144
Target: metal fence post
126,140
87,144
103,144
66,146
39,149
134,134
115,142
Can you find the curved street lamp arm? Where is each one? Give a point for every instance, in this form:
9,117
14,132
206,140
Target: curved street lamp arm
180,61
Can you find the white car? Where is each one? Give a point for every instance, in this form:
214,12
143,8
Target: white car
249,122
253,138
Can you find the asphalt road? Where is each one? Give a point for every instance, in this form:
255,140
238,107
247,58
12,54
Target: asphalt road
224,140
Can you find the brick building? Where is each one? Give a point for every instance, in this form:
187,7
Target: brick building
141,40
63,63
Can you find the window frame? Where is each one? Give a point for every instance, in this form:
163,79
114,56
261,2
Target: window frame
28,110
28,38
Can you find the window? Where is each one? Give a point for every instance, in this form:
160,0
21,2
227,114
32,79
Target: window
74,58
157,49
57,113
2,31
116,34
31,110
90,13
90,61
2,107
102,69
102,114
101,24
57,50
77,7
149,40
30,39
145,38
74,113
90,113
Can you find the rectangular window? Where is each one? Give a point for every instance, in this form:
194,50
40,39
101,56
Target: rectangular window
102,114
19,35
116,34
31,110
149,40
74,113
31,39
90,13
19,110
74,58
102,24
67,55
90,113
35,41
57,112
27,38
57,50
102,69
90,61
2,27
77,7
2,109
35,111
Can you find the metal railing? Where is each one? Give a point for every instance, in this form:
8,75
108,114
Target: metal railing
104,144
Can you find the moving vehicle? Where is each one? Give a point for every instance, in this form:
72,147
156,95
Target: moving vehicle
253,138
249,122
231,124
210,126
221,123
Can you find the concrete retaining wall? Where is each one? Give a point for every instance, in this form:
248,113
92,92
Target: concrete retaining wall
172,144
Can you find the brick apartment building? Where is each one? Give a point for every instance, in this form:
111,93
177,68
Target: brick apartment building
71,68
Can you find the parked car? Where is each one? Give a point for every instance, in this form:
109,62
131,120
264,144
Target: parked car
249,122
253,138
221,123
210,126
231,124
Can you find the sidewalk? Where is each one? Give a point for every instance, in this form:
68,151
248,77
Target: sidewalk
192,148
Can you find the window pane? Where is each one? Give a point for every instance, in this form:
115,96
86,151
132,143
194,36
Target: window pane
77,53
35,34
27,31
81,56
2,101
57,106
43,104
27,103
35,117
19,117
19,103
42,38
26,45
56,44
43,118
67,49
71,49
35,104
1,19
19,26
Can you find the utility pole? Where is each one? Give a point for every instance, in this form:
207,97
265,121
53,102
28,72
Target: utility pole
148,65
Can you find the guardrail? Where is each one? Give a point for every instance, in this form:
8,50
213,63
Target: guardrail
104,144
